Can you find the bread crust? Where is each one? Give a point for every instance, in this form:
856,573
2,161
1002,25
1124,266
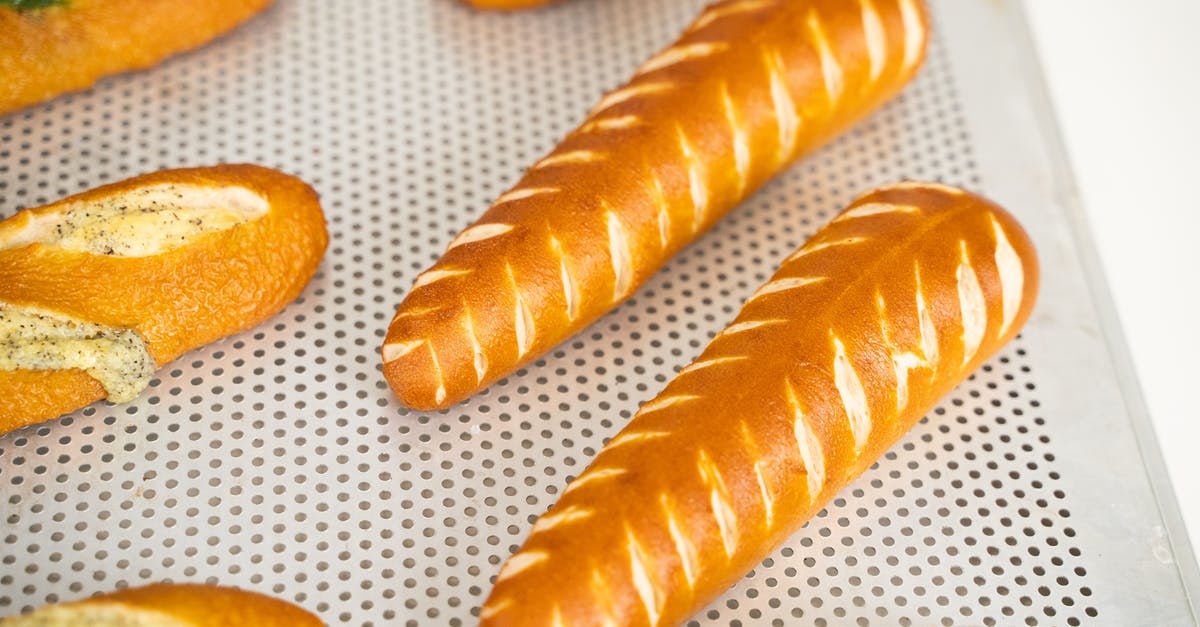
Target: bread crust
827,365
507,5
198,605
51,51
749,87
221,283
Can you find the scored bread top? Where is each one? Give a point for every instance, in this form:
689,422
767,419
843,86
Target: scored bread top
750,86
848,345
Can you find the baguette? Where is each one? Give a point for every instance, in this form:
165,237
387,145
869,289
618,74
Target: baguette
507,5
750,86
856,337
100,289
66,45
170,605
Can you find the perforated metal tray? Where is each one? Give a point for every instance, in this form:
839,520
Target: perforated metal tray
277,460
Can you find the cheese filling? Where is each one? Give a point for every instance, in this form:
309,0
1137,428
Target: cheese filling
141,222
93,615
32,339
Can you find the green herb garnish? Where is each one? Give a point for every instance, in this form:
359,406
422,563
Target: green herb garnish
29,5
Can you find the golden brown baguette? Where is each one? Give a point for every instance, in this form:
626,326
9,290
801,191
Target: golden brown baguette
99,289
71,44
170,605
507,5
856,337
749,87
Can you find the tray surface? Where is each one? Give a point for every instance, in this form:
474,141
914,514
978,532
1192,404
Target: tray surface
277,459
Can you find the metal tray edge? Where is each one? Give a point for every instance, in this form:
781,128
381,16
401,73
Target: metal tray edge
1067,194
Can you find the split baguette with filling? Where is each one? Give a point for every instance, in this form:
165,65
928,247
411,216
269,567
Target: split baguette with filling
749,87
855,338
170,605
100,289
66,45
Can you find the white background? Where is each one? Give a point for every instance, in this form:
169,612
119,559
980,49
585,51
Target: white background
1124,78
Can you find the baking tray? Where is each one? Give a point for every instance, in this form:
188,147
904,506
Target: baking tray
277,460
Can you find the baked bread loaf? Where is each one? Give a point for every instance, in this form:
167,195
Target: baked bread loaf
50,47
100,289
750,86
170,605
507,5
856,337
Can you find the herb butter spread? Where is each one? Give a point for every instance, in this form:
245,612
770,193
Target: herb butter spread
31,339
141,222
29,5
95,615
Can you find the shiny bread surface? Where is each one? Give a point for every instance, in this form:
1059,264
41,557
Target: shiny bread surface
45,52
856,337
750,86
507,5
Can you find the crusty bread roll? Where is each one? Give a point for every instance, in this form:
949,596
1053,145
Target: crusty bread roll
100,289
507,5
70,44
856,337
749,87
170,605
